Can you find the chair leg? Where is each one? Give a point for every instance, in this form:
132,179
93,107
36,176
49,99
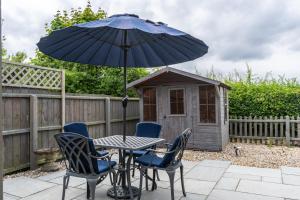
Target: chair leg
157,175
133,170
115,183
142,171
68,180
171,175
153,180
146,179
110,178
92,185
88,193
182,180
64,186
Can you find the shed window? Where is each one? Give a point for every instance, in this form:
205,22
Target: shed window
149,99
207,104
176,101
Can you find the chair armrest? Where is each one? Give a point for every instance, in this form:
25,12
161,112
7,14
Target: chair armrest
168,145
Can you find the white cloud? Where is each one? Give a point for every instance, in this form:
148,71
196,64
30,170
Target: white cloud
264,34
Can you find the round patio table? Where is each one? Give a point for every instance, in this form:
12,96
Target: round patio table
132,143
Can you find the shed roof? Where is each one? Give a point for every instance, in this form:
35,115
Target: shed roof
179,75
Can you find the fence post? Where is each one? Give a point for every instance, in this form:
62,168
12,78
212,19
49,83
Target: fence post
33,130
63,100
287,131
107,117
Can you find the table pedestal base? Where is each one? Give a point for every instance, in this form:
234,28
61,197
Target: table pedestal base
123,192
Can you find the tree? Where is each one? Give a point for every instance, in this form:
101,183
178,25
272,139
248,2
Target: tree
81,78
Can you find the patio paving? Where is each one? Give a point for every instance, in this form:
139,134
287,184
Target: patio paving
205,180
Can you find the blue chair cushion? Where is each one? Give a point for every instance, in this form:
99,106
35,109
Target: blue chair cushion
103,165
137,153
102,153
77,127
151,160
148,129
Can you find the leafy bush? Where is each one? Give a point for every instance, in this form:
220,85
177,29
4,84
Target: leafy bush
264,99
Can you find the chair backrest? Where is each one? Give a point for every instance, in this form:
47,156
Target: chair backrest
177,148
77,127
148,129
76,149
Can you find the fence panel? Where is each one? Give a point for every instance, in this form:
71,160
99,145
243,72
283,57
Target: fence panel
25,114
265,129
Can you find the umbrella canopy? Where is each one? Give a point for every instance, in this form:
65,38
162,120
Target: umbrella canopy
107,42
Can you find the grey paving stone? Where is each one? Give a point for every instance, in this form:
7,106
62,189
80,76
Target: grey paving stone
215,163
160,194
191,196
164,176
99,194
291,179
195,186
227,183
52,175
233,195
290,170
74,181
242,176
189,164
254,171
269,189
10,197
271,179
205,173
23,186
55,193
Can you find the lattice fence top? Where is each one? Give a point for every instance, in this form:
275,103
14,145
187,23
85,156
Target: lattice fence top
22,75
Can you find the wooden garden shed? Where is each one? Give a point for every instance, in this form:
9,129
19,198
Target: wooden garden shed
177,100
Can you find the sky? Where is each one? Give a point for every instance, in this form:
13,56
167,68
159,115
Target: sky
263,34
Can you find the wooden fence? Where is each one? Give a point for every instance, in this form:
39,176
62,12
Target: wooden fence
30,121
267,130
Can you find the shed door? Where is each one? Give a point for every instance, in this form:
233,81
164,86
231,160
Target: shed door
149,100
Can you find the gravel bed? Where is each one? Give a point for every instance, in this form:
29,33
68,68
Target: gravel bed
252,155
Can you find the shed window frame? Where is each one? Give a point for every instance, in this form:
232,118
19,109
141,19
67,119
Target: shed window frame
216,105
169,102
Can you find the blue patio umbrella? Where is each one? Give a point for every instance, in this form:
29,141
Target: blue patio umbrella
122,40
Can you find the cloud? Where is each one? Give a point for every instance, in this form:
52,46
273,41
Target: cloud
263,33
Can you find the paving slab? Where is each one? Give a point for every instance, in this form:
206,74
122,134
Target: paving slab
74,181
55,193
271,179
99,194
23,186
254,171
233,195
227,183
10,197
242,176
195,186
290,170
291,179
191,196
269,189
52,175
189,164
215,163
160,194
205,173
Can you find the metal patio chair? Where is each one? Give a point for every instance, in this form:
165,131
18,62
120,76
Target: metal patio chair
169,162
81,128
81,161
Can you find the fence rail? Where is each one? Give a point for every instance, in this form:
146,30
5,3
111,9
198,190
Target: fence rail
274,130
30,121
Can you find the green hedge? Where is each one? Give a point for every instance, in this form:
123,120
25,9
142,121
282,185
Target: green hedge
264,99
